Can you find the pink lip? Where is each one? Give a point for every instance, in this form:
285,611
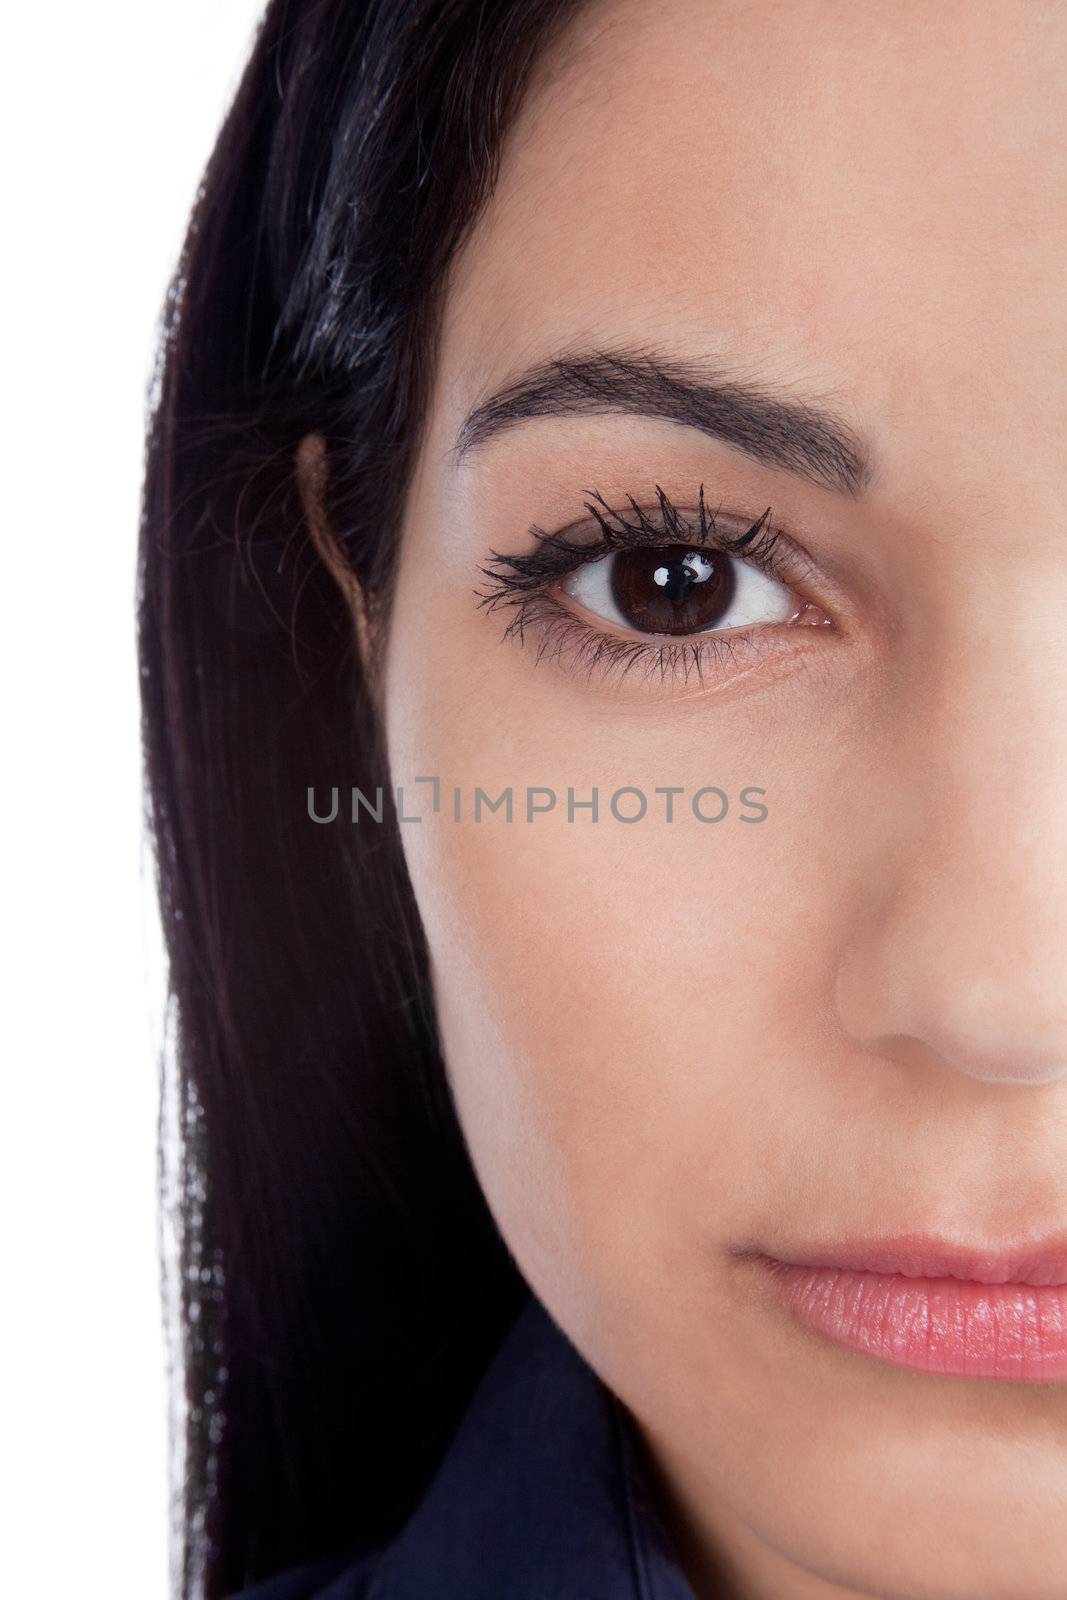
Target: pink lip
931,1306
919,1255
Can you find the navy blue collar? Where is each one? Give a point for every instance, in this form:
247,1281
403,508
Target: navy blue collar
540,1496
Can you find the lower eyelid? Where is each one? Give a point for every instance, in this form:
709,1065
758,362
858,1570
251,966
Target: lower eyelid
700,659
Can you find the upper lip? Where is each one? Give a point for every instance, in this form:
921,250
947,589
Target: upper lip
916,1255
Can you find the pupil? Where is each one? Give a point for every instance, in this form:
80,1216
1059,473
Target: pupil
673,589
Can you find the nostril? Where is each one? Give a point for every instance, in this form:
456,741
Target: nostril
1000,1030
1021,1056
1018,1062
917,1005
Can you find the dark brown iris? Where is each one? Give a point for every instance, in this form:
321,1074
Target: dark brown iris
672,589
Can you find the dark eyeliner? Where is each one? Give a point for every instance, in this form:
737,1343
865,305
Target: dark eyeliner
513,577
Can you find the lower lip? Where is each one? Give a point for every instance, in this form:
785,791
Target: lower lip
951,1326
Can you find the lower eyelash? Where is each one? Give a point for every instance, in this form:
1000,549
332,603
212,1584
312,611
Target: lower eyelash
561,632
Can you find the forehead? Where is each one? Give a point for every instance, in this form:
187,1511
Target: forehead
865,199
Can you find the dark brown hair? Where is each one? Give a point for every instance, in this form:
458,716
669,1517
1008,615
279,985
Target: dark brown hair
342,1284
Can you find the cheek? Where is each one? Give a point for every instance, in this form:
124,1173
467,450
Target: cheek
627,1050
612,1044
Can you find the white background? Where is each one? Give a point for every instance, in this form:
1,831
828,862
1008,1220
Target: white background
107,113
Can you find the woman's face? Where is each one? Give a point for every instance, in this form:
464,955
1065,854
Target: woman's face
839,1012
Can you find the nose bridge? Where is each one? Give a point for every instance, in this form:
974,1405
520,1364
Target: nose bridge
961,949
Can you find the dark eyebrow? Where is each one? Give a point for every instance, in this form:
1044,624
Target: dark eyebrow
776,430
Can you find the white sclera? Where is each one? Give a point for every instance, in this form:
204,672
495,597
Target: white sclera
757,597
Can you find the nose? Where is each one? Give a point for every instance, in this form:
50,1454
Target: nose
956,951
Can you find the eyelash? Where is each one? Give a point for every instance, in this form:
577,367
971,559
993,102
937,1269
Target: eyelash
522,584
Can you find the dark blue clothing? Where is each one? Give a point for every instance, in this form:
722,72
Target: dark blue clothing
541,1496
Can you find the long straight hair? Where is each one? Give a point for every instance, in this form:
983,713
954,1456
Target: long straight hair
341,1283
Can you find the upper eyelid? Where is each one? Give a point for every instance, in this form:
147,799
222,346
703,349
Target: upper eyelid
637,527
557,551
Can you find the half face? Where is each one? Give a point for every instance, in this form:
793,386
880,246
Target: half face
782,287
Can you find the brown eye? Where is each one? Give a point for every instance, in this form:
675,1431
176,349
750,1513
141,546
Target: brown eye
676,589
672,590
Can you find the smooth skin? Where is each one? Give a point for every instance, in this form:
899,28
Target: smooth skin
670,1041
